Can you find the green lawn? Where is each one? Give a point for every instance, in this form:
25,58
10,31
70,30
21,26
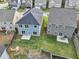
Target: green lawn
21,9
47,43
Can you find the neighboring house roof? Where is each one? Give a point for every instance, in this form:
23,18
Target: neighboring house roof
2,48
73,2
40,2
6,15
57,1
32,17
26,3
63,16
12,2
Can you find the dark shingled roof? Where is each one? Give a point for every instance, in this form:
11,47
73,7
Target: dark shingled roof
63,16
32,17
6,15
2,48
28,19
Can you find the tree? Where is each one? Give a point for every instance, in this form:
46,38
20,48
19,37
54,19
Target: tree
47,4
1,0
21,1
33,3
63,4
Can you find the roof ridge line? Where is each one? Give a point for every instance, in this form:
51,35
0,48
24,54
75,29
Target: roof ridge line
34,17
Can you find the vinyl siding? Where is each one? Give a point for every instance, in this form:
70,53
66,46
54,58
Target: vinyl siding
69,31
7,25
56,29
29,30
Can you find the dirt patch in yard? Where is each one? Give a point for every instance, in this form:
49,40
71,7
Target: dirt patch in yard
6,38
21,54
38,55
25,53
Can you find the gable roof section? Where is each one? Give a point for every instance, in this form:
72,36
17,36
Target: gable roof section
6,15
63,16
38,14
32,17
28,19
2,48
73,2
28,3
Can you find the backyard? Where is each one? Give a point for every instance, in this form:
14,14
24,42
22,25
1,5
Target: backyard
44,42
5,39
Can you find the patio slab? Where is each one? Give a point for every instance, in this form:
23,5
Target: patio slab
26,37
60,39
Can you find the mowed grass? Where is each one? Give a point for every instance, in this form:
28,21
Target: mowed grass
47,43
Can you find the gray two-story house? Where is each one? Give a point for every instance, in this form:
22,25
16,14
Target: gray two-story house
30,23
62,21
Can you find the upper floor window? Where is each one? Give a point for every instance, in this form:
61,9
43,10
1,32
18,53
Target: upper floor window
53,25
20,25
35,26
26,26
